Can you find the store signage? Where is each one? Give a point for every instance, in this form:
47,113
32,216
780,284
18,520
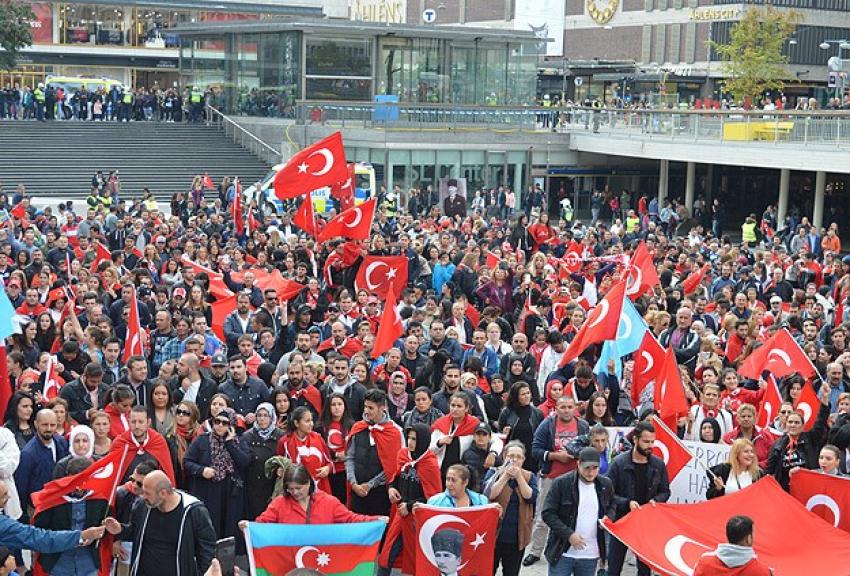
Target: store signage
386,11
714,14
41,27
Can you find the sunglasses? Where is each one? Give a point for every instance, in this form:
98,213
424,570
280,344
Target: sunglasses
181,412
221,422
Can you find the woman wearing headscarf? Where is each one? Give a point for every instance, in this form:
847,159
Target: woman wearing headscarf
399,400
215,465
417,479
80,445
261,442
709,431
554,389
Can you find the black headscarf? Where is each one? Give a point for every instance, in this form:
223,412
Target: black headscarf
423,438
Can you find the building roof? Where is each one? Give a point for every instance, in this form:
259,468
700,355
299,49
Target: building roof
292,8
353,28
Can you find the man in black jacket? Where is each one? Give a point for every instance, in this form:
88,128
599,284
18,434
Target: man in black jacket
572,510
87,394
639,478
161,546
190,384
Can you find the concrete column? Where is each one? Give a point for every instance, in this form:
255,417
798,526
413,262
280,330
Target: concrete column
690,184
817,212
782,203
517,183
635,185
709,182
663,179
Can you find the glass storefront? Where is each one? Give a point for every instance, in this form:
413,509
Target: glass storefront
263,70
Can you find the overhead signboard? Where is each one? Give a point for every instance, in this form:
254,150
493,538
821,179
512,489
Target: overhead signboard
384,11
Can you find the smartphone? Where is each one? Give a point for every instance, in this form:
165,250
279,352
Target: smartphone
225,552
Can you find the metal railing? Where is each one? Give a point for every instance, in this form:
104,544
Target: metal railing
830,128
243,137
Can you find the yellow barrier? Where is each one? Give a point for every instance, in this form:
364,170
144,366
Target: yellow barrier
747,131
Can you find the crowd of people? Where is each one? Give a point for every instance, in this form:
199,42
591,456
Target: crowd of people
282,413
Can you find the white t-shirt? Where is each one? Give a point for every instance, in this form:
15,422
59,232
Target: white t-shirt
586,521
739,482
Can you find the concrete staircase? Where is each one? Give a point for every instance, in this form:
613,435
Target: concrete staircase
59,158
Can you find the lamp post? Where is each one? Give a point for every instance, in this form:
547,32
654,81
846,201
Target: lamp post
837,64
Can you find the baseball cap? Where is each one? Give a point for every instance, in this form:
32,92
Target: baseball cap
482,427
588,456
218,360
180,291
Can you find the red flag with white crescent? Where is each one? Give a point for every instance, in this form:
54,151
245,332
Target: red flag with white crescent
670,449
770,403
305,216
52,381
134,345
391,327
825,495
322,164
781,355
807,405
378,273
649,360
669,394
354,223
642,275
463,537
601,323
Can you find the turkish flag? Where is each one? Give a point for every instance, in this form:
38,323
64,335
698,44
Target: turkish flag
601,323
574,256
465,536
780,355
207,182
681,533
344,190
669,397
133,345
824,495
236,209
649,360
642,275
473,314
286,289
378,273
220,310
391,327
253,223
52,381
492,260
692,282
102,254
808,405
18,211
217,286
305,217
322,164
770,403
669,448
101,477
354,223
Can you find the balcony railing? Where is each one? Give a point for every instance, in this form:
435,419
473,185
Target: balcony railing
830,128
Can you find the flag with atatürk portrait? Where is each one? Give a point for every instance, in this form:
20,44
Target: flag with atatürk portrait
455,541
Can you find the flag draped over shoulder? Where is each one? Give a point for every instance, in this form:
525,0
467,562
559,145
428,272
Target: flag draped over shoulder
333,549
681,533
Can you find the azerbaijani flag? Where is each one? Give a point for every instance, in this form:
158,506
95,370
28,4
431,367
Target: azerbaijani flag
352,549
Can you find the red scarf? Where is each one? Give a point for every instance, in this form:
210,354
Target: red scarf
155,445
312,453
465,428
310,393
428,470
387,439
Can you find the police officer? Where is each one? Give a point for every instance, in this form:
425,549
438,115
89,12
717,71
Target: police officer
196,100
127,99
38,95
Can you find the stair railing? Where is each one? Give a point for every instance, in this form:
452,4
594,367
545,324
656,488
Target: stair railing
243,137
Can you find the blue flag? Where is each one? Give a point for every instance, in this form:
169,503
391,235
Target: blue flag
630,330
7,312
610,350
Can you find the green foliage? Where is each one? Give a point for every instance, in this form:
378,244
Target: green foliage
753,58
15,31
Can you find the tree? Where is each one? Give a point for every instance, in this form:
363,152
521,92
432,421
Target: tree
754,60
15,31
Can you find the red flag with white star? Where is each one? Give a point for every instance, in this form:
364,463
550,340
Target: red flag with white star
391,327
322,164
378,273
455,540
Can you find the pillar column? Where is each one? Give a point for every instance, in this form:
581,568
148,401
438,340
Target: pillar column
817,212
782,203
690,184
663,179
635,185
709,183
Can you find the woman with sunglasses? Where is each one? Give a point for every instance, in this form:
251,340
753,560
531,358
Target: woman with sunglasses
261,442
215,464
303,504
186,428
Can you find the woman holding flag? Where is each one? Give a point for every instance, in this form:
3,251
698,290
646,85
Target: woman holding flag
739,471
452,434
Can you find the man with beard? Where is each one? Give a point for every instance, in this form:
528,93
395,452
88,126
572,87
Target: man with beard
172,534
639,478
300,392
143,443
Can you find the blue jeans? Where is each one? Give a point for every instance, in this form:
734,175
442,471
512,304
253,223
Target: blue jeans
567,566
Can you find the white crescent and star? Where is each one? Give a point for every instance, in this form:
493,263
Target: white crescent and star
781,354
427,531
665,453
673,552
604,307
329,161
625,322
633,286
299,555
824,500
332,444
806,409
105,473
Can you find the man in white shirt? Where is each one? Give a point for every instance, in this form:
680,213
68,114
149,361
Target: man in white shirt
575,504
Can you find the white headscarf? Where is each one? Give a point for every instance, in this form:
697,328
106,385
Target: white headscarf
81,429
